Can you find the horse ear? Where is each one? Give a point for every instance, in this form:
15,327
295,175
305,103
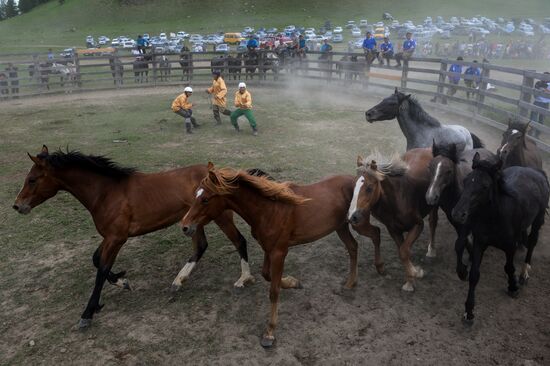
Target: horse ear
36,159
408,96
359,161
475,160
210,165
452,152
435,150
396,91
44,150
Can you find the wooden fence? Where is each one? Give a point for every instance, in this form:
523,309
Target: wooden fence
502,92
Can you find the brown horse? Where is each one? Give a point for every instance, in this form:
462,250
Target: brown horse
123,203
281,215
394,193
516,149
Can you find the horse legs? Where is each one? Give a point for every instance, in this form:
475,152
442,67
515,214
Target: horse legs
372,232
510,270
276,264
116,279
225,223
405,255
477,256
433,225
107,256
199,245
460,244
531,242
351,245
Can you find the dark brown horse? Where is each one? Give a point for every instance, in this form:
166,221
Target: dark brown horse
516,149
123,203
394,193
281,215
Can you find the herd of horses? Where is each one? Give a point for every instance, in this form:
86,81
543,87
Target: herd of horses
42,71
498,199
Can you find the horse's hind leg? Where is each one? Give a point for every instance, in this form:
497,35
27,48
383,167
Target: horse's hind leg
226,224
531,243
107,255
510,270
116,279
199,245
433,225
351,245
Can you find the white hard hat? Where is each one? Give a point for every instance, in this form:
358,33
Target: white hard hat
242,85
188,89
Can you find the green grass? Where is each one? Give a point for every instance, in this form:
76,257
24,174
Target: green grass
53,25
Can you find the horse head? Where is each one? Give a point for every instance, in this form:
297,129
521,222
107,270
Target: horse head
39,185
367,191
442,171
388,108
512,138
479,188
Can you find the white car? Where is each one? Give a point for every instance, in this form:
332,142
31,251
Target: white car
195,38
248,29
129,44
363,23
163,37
337,38
222,48
182,34
337,30
115,42
356,32
146,36
290,28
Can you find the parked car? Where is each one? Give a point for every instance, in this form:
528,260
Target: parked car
115,42
337,30
350,24
232,38
163,36
248,29
337,38
356,32
222,47
290,28
387,16
182,34
129,44
67,53
363,23
195,38
271,30
146,36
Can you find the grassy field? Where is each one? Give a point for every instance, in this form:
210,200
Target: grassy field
46,273
52,25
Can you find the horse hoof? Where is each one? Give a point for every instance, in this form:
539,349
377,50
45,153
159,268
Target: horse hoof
523,280
513,294
380,269
84,324
267,341
468,319
407,287
462,274
126,285
175,288
431,253
419,272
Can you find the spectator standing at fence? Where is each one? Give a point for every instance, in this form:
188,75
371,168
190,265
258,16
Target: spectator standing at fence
471,78
219,91
386,51
4,90
183,107
326,47
454,79
252,43
50,54
542,101
243,102
141,43
14,80
408,49
369,47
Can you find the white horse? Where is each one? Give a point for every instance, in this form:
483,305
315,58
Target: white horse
67,74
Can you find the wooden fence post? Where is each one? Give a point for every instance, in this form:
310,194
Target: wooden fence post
155,68
485,73
192,69
528,82
440,88
404,73
77,68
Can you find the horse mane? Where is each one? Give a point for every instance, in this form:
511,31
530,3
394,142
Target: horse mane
97,164
226,180
447,151
396,166
419,114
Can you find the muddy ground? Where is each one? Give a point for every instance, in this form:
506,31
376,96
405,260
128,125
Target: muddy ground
46,273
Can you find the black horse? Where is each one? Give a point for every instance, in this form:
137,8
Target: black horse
448,169
501,205
251,59
186,64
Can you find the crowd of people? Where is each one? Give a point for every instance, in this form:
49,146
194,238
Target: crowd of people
9,82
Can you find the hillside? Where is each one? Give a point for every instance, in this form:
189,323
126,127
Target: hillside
67,25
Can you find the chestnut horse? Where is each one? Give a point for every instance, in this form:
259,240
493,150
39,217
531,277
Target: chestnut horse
516,149
123,203
394,194
281,215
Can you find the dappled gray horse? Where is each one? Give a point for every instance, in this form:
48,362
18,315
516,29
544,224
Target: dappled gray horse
420,129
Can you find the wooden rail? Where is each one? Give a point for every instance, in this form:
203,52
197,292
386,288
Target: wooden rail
513,97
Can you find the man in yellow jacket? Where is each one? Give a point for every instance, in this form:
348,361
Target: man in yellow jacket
182,106
219,91
243,102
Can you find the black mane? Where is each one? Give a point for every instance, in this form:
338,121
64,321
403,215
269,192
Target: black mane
446,150
97,164
419,114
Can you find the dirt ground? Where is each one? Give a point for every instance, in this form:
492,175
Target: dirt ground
45,279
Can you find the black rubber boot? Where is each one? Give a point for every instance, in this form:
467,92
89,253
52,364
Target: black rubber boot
188,127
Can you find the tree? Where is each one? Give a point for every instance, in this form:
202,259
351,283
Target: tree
2,10
26,5
10,9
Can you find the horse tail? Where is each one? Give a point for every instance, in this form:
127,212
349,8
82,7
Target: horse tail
259,173
477,141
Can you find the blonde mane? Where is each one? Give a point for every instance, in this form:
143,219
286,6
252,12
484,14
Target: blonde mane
395,167
226,180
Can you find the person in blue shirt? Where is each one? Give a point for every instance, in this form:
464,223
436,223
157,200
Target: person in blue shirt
541,100
301,46
386,51
141,43
471,78
252,43
369,47
409,46
454,79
